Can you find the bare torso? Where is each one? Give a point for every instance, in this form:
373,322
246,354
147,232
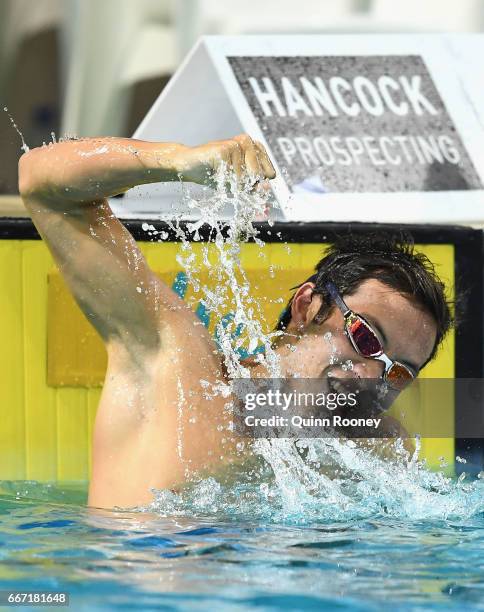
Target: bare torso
157,427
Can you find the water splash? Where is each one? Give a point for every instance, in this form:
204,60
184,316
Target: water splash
227,287
361,486
25,148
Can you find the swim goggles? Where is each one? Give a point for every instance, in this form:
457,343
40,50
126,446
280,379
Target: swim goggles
366,343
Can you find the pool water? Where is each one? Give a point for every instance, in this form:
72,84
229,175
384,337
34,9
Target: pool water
145,560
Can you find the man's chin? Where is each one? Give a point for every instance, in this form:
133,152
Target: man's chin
373,394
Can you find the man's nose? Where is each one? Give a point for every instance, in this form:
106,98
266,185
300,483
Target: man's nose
368,368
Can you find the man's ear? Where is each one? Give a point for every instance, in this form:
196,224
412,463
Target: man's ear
304,305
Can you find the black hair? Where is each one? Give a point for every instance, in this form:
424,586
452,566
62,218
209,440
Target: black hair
391,259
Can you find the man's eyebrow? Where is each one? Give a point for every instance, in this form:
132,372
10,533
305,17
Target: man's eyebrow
383,336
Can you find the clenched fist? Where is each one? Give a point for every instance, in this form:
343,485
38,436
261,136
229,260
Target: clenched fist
247,159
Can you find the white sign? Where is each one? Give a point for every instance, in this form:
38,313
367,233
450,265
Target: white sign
386,128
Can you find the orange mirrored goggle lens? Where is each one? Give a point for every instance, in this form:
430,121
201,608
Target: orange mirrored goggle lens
398,376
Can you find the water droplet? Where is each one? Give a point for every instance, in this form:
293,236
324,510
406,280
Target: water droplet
24,146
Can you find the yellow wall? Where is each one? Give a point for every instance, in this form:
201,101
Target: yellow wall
49,405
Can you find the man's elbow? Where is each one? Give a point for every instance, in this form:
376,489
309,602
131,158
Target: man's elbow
25,175
31,177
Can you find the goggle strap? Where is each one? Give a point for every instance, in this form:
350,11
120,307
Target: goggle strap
335,296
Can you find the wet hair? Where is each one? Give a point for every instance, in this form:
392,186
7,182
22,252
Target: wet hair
390,259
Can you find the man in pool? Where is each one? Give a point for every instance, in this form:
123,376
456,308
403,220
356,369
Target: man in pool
158,352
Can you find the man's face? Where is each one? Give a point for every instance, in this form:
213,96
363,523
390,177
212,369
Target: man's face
323,351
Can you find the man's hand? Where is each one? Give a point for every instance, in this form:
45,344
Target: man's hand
245,158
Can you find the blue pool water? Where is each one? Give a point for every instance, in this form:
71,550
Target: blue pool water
111,560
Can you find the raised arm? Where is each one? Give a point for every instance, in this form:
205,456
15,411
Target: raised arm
65,185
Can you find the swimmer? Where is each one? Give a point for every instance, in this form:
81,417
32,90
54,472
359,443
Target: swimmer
157,349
